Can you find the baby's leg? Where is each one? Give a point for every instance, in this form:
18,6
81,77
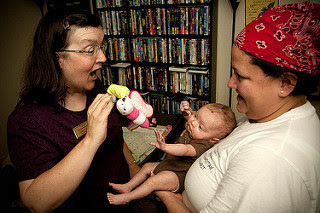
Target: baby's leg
141,176
165,181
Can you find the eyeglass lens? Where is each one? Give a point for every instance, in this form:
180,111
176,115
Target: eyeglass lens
94,50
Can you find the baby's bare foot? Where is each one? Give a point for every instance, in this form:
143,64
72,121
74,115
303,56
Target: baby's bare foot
120,199
122,188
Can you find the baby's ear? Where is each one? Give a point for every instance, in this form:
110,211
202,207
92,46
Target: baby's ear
214,140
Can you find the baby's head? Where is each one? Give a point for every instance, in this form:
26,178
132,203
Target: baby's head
211,122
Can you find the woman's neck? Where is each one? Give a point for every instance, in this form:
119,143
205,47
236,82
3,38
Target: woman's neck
288,104
75,101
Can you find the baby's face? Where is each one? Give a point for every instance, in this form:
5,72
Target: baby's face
202,124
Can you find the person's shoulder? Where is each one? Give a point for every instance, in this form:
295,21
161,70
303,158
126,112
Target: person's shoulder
28,112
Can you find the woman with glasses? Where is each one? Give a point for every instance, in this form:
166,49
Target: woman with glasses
64,138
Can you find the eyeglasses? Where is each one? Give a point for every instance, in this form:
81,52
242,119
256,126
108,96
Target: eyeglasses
93,51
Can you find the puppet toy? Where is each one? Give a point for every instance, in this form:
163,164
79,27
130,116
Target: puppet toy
131,104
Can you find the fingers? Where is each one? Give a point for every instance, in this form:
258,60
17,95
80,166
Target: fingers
185,108
184,105
105,104
186,113
102,104
98,114
159,135
102,98
109,104
152,144
96,102
113,99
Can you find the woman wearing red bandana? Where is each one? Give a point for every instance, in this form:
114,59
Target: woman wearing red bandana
271,161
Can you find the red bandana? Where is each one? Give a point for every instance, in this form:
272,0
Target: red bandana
287,35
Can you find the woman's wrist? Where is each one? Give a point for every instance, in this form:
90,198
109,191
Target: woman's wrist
132,163
89,146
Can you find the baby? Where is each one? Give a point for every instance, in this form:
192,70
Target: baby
204,128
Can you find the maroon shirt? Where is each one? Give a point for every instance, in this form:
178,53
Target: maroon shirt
39,137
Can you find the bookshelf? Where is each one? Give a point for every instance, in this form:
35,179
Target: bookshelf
165,49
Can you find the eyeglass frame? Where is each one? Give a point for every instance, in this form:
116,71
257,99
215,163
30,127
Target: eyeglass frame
100,47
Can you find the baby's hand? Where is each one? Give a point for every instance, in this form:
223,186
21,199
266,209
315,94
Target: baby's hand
160,144
185,109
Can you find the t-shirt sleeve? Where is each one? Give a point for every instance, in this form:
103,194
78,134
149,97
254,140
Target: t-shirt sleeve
31,152
201,146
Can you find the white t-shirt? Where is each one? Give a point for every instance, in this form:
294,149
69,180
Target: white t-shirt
261,167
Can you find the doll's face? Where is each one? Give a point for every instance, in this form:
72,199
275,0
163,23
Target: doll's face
124,105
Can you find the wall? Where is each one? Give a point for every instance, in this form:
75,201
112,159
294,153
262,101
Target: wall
239,24
18,19
224,42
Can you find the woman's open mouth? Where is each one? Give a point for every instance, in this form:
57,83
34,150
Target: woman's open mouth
239,98
93,74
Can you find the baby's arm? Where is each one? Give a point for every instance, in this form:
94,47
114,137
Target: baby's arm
173,149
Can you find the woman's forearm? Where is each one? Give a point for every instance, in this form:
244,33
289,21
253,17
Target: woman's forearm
174,206
173,202
133,166
52,188
127,154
